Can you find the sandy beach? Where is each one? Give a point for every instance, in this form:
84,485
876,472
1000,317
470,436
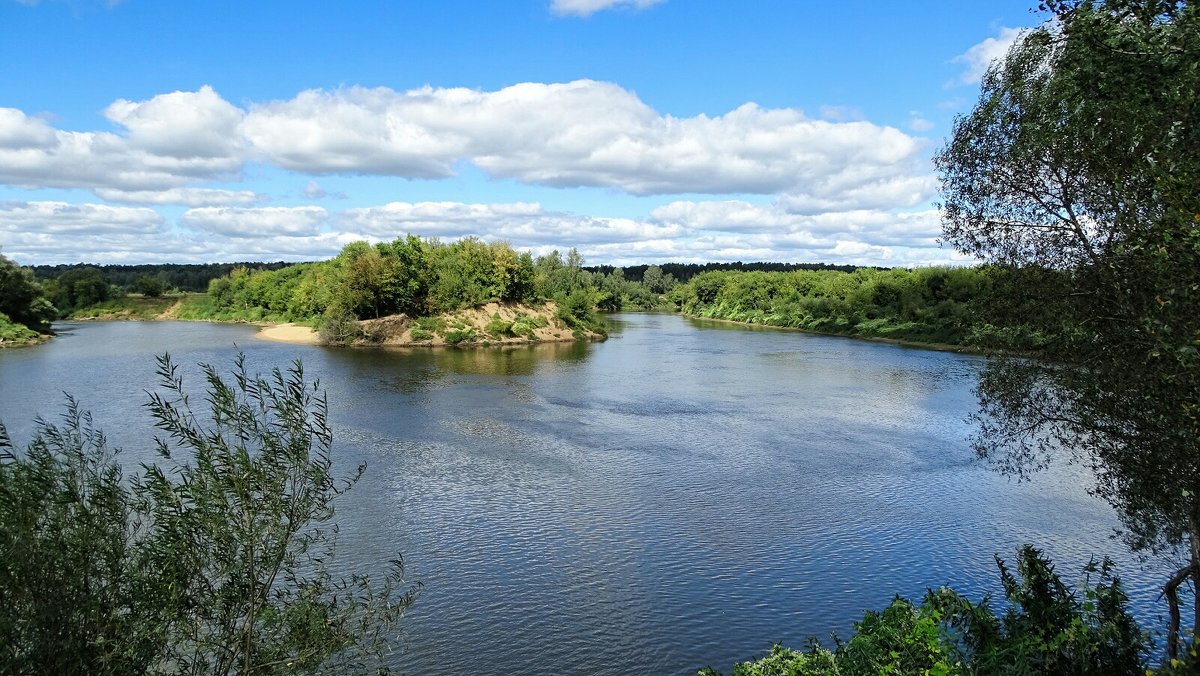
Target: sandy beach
289,333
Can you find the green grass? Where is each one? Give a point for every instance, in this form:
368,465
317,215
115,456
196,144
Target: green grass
12,333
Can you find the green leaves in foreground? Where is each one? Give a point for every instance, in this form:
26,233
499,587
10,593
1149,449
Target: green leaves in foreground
216,560
1047,629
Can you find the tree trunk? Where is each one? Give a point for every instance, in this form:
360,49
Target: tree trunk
1171,591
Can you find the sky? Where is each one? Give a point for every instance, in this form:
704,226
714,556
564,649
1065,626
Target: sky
637,131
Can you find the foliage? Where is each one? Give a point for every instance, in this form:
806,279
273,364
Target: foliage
182,277
340,328
524,325
150,287
1047,629
459,335
21,298
929,305
1077,171
499,328
78,288
214,561
12,333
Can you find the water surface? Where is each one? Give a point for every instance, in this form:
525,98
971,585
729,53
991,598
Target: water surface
683,494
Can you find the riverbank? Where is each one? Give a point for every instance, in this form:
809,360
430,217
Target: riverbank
13,334
492,324
916,344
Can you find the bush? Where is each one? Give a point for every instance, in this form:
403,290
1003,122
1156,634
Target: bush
1046,629
420,334
216,560
459,335
499,328
339,328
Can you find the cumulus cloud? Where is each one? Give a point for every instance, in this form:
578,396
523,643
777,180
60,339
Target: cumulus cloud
586,8
256,221
576,134
980,56
581,133
182,125
172,140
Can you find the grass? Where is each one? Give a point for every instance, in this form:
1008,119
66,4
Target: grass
12,333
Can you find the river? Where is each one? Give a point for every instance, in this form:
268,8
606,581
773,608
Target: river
681,495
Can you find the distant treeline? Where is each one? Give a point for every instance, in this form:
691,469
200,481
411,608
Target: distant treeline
682,272
184,277
947,305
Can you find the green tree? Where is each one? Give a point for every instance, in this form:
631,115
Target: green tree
1076,174
79,288
21,297
216,560
151,287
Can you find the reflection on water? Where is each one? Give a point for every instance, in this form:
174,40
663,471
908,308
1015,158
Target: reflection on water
683,494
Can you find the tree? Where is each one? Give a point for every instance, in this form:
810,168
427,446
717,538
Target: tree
216,560
148,286
21,297
81,287
1077,175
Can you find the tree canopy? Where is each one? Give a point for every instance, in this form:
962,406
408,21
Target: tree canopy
1078,173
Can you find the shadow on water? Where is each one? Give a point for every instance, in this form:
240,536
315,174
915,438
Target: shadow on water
416,364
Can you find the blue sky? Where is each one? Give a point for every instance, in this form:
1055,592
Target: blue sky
638,131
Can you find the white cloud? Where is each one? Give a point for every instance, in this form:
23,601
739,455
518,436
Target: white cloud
685,231
522,223
57,218
586,8
911,229
979,57
256,221
581,133
173,140
182,125
59,232
189,197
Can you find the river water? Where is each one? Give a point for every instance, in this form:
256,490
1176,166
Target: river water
681,495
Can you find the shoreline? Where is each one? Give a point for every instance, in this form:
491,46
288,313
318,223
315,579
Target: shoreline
914,344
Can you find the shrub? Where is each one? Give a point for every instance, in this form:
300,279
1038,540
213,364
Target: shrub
216,560
456,336
339,328
499,328
1047,629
